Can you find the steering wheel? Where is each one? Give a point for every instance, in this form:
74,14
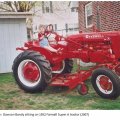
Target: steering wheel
47,29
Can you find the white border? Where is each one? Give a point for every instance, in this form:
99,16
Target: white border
61,0
93,114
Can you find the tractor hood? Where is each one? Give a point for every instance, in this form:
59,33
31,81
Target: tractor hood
93,36
89,37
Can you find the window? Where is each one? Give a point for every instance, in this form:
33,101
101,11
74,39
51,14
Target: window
74,6
74,9
88,15
47,7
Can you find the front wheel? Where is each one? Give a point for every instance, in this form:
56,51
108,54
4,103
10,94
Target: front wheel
106,83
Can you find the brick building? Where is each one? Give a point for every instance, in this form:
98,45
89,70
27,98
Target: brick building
105,16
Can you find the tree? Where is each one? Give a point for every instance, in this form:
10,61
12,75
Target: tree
17,6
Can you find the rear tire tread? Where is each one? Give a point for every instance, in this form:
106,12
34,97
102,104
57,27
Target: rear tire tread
45,70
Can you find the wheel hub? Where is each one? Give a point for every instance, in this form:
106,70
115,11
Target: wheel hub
104,84
31,71
82,89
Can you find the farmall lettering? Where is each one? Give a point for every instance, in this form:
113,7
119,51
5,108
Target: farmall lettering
37,67
94,36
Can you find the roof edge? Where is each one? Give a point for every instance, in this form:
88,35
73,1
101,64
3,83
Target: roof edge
16,14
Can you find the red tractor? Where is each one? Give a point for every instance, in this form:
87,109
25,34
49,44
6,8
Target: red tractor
36,67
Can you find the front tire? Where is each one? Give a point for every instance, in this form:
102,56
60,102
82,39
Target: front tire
106,83
32,71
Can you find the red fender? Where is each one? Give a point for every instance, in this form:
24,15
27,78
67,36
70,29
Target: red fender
41,50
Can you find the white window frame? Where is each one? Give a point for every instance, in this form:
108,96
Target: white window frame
86,20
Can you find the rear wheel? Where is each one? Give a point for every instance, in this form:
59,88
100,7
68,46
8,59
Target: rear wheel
32,71
63,67
106,83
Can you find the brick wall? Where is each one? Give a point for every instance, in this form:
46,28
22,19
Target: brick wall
106,16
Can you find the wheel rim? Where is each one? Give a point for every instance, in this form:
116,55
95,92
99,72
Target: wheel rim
104,84
58,69
29,73
82,89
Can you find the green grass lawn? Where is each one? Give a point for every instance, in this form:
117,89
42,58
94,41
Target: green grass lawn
11,97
